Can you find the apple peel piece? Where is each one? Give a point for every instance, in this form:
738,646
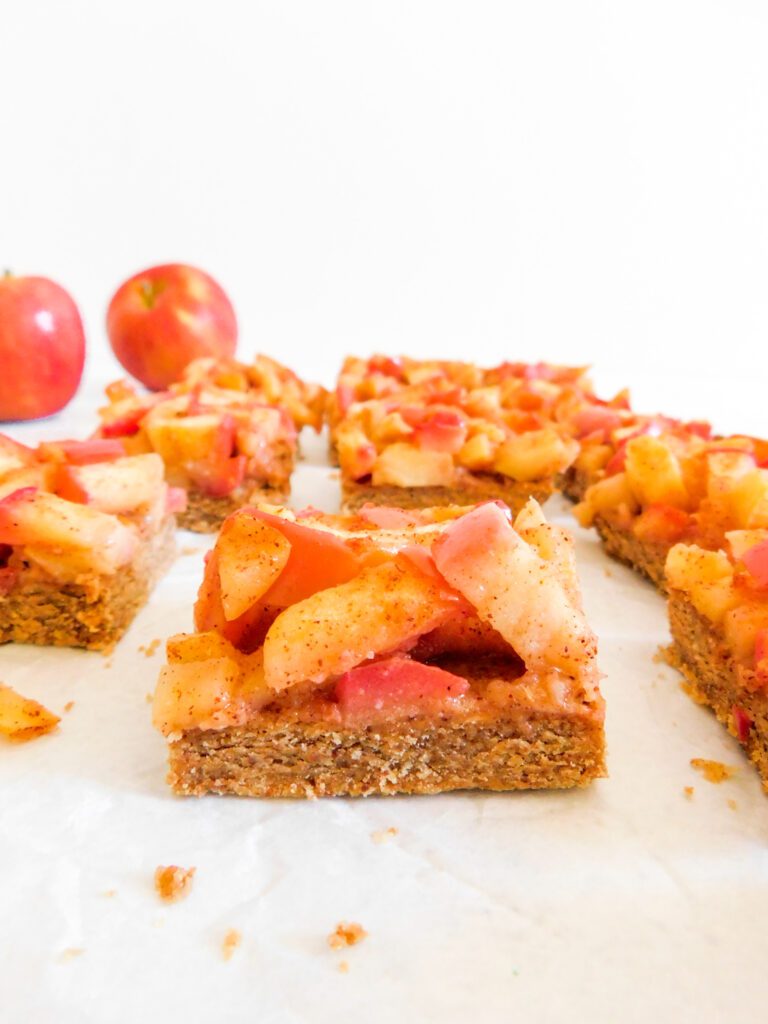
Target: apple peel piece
396,685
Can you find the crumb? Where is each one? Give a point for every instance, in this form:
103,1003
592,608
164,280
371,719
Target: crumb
607,573
713,771
692,692
69,705
347,934
733,805
69,954
109,893
107,664
344,966
383,834
334,475
173,882
659,656
192,550
232,940
150,648
149,697
688,790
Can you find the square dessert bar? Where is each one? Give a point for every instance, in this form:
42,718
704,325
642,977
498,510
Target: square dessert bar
718,612
677,486
384,652
227,432
85,531
433,433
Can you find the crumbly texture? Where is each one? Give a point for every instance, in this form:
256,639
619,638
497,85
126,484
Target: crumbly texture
713,771
573,483
278,758
700,653
92,613
473,488
643,556
346,933
205,514
172,882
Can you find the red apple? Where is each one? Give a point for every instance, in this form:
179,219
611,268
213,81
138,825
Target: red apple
42,347
161,319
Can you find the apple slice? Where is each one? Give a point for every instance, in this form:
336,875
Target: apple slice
552,543
654,473
513,589
22,718
397,687
534,455
252,554
206,437
13,455
198,694
118,487
381,609
82,453
49,523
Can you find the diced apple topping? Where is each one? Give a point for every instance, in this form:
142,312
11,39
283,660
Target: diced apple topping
654,473
608,496
119,487
514,590
403,465
71,535
706,576
397,687
382,609
534,455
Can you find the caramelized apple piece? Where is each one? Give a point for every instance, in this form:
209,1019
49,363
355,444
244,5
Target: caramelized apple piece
380,610
654,473
22,718
120,486
397,686
513,589
252,554
403,465
534,455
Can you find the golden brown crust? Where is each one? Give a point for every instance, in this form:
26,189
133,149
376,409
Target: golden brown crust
311,759
205,514
645,557
573,483
93,613
474,488
700,653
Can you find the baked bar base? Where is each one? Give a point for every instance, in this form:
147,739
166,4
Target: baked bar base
702,657
93,613
573,483
644,557
205,514
279,759
474,488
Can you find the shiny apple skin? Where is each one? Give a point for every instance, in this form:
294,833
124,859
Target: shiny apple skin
161,319
42,348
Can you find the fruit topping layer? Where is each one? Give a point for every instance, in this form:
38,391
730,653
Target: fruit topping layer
409,423
382,615
73,508
223,429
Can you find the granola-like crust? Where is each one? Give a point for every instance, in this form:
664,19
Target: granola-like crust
472,488
573,483
205,514
643,556
275,758
92,613
700,653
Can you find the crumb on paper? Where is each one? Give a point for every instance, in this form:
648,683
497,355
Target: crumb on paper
69,705
23,719
608,573
659,656
733,805
70,954
232,940
108,664
109,893
334,474
149,649
347,933
688,790
173,882
713,771
149,697
344,966
190,550
383,834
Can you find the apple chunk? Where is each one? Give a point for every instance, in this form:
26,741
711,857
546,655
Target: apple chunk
252,554
514,590
396,686
380,610
118,487
47,523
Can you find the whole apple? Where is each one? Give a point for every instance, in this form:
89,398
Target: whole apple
161,319
42,347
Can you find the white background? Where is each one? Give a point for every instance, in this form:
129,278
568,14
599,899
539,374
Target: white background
583,182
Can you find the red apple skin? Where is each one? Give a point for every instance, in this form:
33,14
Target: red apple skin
161,319
42,348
